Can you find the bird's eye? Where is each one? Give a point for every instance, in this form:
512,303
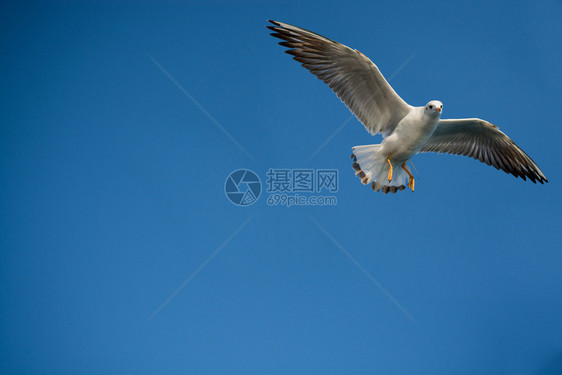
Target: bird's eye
430,107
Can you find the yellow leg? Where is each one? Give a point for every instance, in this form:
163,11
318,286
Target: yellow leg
411,181
389,167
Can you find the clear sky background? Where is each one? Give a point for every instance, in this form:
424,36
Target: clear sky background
112,194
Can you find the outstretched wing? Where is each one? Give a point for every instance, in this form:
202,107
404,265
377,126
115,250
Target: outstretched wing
350,74
483,141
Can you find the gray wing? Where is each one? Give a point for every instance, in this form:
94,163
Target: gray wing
350,74
483,141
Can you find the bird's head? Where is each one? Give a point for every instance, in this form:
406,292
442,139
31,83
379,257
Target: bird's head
434,107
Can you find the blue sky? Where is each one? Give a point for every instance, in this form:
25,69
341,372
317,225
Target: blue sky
119,252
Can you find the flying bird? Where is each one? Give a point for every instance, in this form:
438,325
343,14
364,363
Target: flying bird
406,130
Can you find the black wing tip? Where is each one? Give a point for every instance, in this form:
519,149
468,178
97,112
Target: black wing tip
533,176
279,32
277,26
523,169
541,179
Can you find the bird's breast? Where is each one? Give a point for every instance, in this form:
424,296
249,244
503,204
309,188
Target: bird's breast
410,134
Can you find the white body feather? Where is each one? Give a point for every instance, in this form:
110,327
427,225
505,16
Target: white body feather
410,134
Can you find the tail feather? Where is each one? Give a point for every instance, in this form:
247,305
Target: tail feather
371,166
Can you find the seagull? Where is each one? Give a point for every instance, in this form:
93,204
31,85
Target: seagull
406,130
